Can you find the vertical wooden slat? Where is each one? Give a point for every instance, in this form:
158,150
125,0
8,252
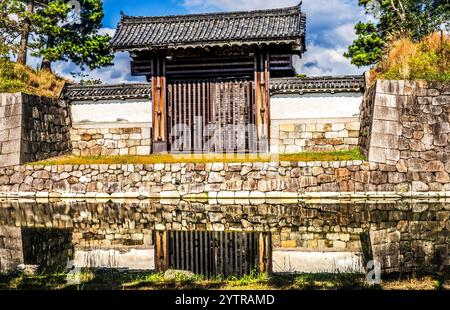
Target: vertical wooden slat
261,252
197,252
204,115
157,251
221,253
164,251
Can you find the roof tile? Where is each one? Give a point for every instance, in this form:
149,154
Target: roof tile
286,25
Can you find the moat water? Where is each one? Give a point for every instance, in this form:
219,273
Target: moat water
314,236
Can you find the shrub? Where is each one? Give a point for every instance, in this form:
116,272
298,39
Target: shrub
424,60
19,78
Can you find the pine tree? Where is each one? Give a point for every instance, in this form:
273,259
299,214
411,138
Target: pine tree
61,37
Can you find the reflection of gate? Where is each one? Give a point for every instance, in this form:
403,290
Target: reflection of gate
211,116
213,253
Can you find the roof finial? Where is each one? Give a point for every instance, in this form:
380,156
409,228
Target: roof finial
122,14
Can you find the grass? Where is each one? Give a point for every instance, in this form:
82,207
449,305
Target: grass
428,59
168,159
129,280
18,78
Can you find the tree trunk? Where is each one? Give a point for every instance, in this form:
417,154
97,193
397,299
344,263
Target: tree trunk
22,56
47,63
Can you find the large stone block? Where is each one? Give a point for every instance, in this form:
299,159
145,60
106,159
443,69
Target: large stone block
386,114
384,140
377,154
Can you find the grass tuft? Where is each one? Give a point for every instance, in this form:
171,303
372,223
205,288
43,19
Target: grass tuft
18,78
425,60
170,158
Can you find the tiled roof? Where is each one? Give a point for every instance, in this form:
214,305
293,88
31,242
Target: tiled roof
107,92
286,25
325,84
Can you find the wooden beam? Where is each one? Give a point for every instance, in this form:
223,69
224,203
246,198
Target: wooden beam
262,99
265,252
159,138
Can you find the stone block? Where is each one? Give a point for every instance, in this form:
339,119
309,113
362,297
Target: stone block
287,127
384,140
289,244
419,186
386,114
337,127
353,126
377,154
292,149
417,165
11,146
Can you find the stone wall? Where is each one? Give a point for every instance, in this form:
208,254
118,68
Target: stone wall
366,119
112,139
410,126
32,128
218,180
317,135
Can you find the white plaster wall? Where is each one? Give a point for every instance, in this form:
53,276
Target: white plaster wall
315,106
112,111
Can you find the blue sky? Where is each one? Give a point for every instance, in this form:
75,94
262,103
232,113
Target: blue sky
329,31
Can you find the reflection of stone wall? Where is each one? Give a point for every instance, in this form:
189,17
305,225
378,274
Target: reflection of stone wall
96,140
32,128
11,251
403,234
314,135
49,248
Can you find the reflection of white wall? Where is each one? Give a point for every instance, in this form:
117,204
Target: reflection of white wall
137,259
286,261
133,111
313,106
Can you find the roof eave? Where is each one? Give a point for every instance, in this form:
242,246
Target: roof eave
295,42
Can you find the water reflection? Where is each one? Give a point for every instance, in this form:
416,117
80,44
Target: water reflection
404,235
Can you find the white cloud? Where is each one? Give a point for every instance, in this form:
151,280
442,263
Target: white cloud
119,72
319,61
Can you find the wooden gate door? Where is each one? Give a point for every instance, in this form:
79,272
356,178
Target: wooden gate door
212,116
213,253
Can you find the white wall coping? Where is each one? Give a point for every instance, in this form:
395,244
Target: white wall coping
90,125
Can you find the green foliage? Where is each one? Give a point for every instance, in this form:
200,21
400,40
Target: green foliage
395,18
425,60
66,39
9,27
368,47
18,78
10,79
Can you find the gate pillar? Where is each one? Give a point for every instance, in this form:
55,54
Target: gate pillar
262,95
159,137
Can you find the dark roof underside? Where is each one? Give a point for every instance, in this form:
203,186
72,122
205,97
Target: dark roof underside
275,26
325,84
107,92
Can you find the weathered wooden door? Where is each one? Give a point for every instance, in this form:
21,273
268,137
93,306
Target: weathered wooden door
212,116
213,253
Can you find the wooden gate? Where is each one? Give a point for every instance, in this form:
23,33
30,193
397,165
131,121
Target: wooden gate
213,253
212,116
